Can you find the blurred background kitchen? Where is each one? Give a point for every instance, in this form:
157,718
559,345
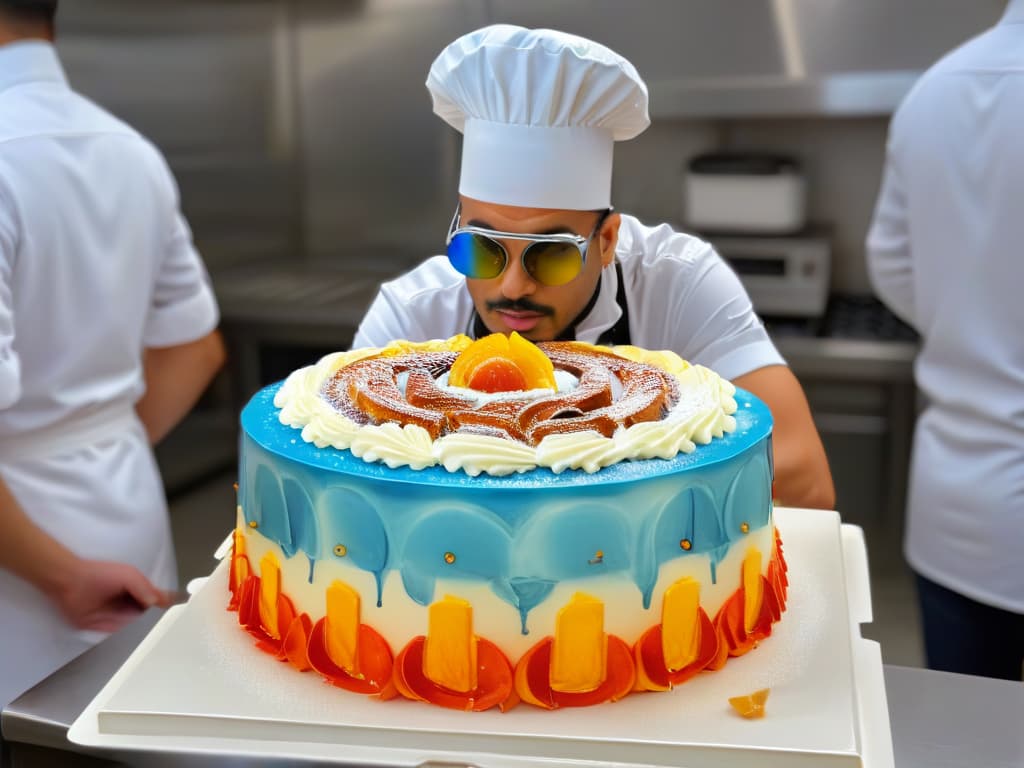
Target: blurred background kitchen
311,167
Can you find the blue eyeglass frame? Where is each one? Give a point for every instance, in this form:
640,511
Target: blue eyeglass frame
582,243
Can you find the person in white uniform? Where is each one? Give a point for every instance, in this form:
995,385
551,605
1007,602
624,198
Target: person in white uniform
535,247
946,253
107,338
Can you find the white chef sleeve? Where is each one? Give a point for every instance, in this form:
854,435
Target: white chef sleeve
387,319
183,308
700,309
427,302
10,366
888,245
722,325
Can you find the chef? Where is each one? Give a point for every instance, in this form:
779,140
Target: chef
944,253
107,338
534,245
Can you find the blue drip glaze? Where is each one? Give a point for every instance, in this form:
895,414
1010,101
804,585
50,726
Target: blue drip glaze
300,518
419,590
716,556
541,528
530,593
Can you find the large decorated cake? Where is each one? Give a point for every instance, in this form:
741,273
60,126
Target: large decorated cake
476,524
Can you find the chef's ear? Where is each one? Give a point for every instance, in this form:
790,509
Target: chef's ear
608,237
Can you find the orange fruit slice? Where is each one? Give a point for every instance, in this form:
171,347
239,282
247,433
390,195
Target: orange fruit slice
496,374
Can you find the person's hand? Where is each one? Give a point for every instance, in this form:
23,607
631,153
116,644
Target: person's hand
104,596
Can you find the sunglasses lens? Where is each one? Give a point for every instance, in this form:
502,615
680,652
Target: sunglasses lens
476,256
553,263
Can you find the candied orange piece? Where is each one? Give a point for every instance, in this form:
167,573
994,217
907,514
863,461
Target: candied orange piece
494,679
495,345
533,677
497,375
502,363
751,705
535,365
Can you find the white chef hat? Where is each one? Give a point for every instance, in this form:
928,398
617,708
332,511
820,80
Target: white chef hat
539,111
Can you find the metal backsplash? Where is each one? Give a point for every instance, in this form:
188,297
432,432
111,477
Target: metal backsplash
208,82
381,171
300,130
758,58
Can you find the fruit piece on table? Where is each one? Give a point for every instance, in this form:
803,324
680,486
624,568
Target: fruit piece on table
751,705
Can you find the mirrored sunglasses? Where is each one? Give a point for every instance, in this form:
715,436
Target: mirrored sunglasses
556,259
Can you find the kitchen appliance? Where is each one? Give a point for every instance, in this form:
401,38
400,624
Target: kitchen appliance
786,277
739,192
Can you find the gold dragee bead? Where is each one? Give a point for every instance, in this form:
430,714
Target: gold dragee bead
449,557
253,524
340,550
745,527
685,544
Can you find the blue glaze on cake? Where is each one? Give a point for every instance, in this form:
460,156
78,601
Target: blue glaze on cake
521,534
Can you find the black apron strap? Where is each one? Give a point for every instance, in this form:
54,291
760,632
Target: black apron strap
618,333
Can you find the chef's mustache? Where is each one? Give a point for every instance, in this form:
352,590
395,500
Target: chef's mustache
519,305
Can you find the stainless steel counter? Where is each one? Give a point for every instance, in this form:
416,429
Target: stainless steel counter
938,720
849,359
271,304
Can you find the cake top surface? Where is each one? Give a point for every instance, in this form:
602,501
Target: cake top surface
261,423
501,407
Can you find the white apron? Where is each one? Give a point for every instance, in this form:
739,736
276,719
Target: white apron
97,264
102,497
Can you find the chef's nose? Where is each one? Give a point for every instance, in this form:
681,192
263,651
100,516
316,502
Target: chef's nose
515,280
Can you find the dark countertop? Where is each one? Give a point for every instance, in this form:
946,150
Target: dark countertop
849,359
938,720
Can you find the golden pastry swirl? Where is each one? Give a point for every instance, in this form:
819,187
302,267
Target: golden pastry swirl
392,405
613,392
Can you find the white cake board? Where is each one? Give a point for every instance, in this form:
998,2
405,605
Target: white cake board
197,684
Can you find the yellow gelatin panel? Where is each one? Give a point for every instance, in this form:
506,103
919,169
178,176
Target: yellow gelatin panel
580,649
680,638
343,626
753,588
240,560
270,588
241,571
449,653
238,541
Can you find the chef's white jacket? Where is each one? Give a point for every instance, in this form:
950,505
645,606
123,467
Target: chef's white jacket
96,263
680,295
946,252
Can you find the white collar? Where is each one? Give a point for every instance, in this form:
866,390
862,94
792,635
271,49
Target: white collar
28,61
